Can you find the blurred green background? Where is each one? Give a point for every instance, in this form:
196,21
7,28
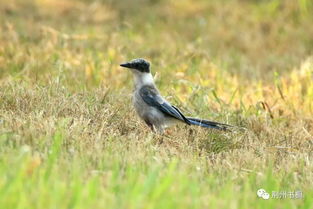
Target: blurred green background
249,38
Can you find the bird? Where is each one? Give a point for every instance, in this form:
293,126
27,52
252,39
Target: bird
154,109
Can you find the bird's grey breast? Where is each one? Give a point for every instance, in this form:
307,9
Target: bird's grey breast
147,112
140,106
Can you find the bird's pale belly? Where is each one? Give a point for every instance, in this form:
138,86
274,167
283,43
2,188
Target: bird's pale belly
151,115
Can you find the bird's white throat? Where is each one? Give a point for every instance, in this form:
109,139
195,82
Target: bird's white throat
142,79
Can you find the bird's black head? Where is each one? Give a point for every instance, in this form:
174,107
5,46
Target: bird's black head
138,64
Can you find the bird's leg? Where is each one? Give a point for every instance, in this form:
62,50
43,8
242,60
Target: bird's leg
150,125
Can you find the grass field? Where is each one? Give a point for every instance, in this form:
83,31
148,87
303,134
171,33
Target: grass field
69,137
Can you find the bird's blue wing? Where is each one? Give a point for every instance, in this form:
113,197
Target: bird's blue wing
151,96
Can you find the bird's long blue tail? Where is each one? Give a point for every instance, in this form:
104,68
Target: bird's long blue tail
209,124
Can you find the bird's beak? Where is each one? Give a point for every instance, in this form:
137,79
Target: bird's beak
127,65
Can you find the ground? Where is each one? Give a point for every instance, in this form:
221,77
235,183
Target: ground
69,137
